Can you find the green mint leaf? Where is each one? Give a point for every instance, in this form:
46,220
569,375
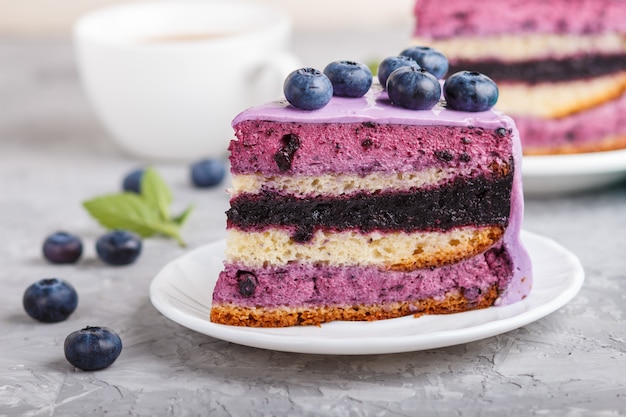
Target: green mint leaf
146,214
156,192
126,211
182,217
171,230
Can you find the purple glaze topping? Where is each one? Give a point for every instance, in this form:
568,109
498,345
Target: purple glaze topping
374,107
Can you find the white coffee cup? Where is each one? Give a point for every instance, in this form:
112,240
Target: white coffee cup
166,78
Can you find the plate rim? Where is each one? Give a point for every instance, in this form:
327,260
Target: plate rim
589,163
255,337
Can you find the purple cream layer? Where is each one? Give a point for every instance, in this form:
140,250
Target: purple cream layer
582,128
439,19
326,147
296,285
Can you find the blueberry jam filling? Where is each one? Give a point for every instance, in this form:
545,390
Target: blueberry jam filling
547,70
284,156
303,234
442,208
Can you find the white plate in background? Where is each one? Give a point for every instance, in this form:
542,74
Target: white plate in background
559,174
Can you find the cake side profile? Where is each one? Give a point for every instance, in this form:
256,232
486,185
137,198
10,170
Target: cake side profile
560,65
364,210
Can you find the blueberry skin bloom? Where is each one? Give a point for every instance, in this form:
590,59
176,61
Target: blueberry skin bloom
207,173
62,248
307,89
470,91
118,247
50,300
92,348
392,63
349,78
132,181
430,59
413,88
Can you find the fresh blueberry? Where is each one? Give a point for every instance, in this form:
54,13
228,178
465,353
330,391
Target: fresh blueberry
470,91
392,63
430,59
349,78
50,300
62,248
132,181
92,348
307,89
118,247
413,88
207,172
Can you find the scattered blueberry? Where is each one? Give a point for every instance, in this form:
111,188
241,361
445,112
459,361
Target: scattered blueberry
50,300
308,89
207,172
118,247
132,181
470,91
62,248
413,88
430,59
349,78
392,63
92,348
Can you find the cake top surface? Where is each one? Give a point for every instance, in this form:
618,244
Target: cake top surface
375,107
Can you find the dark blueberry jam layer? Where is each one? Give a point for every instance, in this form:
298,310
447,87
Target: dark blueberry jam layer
546,70
481,201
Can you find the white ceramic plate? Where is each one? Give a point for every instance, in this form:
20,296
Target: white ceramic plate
182,291
559,174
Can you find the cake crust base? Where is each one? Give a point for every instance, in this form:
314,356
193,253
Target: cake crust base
284,317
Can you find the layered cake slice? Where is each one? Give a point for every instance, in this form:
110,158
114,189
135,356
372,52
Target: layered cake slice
364,210
560,64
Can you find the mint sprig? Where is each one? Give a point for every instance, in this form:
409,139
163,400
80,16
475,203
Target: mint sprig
146,214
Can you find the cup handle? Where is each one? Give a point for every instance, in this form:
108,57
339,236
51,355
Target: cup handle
266,80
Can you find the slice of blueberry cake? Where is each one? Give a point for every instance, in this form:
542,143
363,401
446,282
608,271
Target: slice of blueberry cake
560,64
362,209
